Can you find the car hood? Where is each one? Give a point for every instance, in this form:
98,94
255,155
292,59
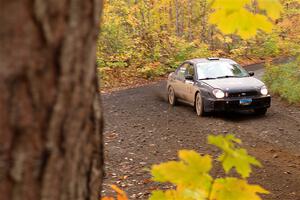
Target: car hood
245,83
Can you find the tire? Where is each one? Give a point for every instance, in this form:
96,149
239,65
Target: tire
171,96
199,105
260,111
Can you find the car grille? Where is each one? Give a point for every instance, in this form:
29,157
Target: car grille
243,94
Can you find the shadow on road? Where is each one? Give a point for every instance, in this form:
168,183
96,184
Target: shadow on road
234,116
238,116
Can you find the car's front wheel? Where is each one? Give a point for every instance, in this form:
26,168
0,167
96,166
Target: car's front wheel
260,111
171,96
199,105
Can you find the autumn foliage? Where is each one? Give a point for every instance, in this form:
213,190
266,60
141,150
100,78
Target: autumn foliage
191,174
149,38
146,39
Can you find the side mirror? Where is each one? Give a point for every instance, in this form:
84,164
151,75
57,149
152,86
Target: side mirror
251,73
189,77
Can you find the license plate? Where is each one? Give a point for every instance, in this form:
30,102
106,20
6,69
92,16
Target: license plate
245,101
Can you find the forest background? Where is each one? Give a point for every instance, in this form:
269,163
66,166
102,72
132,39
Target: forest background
142,40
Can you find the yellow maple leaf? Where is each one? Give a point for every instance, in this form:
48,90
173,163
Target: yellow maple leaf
238,189
233,17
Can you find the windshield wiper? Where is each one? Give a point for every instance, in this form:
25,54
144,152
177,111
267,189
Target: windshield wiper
207,78
227,76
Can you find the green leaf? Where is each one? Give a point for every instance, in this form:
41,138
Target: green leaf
192,171
226,143
239,159
235,189
185,194
194,194
158,195
194,160
272,7
169,172
230,5
233,157
179,194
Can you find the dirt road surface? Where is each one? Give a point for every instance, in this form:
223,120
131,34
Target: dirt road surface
141,129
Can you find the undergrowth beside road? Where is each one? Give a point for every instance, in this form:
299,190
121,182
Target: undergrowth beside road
284,80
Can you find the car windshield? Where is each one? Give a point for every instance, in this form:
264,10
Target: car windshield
214,70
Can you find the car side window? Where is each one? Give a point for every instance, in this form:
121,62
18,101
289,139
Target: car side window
190,70
181,71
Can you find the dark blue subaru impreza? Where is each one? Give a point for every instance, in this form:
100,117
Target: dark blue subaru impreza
217,84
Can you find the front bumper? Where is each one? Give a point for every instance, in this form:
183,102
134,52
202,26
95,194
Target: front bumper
234,104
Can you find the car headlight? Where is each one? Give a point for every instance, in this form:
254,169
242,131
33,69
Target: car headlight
218,93
264,90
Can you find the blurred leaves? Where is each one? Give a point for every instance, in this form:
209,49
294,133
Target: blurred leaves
273,8
191,174
235,189
235,16
232,156
191,171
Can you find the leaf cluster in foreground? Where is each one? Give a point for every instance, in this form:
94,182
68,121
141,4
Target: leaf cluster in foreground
192,178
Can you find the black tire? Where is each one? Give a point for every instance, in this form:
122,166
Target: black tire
171,96
260,111
199,105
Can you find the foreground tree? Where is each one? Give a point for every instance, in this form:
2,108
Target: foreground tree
50,116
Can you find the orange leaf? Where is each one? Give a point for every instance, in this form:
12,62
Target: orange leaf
121,194
107,198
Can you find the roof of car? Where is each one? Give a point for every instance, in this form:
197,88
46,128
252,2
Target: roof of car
207,60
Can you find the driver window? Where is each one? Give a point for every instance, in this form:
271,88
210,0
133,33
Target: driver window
182,71
190,70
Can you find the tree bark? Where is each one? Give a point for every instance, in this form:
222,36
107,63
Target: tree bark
50,112
203,16
177,15
190,16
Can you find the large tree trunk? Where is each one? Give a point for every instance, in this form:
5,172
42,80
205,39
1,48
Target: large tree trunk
50,114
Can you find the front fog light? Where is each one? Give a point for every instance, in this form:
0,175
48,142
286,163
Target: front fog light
218,93
264,90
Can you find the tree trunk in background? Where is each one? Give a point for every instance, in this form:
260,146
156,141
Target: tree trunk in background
170,15
50,114
182,10
203,20
190,15
177,18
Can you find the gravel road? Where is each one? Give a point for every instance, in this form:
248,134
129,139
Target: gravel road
141,129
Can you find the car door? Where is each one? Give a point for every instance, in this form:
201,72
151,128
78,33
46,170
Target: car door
179,81
189,84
